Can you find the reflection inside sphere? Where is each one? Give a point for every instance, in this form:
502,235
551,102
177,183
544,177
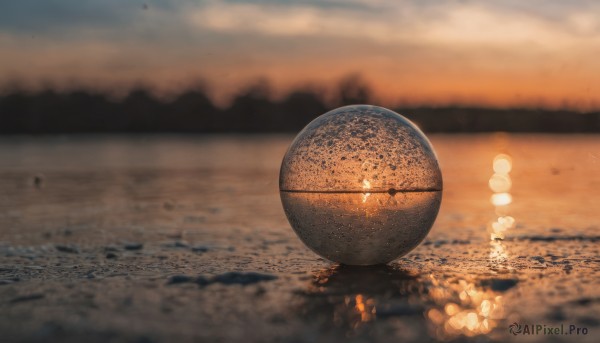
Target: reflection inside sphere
361,229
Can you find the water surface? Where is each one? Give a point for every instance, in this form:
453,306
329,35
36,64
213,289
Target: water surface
92,228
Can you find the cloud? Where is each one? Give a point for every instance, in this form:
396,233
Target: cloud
400,23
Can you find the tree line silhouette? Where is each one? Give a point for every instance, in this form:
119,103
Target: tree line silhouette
251,111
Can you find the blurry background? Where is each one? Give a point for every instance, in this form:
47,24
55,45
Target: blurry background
269,66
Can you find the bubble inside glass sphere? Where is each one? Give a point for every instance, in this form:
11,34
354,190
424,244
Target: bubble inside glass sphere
361,185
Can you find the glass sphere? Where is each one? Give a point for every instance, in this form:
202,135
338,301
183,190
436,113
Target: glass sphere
361,185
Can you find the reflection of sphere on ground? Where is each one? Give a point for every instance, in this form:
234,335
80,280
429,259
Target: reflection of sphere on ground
348,298
370,280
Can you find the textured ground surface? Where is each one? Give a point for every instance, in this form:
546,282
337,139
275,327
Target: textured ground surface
160,239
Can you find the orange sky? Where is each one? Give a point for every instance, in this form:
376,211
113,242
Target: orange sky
501,53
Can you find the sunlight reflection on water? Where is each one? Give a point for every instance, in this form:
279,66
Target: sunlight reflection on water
500,183
475,312
351,298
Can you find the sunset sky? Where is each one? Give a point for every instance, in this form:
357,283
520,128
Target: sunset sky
499,52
